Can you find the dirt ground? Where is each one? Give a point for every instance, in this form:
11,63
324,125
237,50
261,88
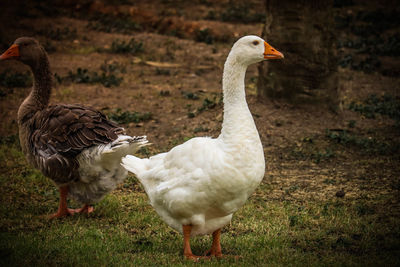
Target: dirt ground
172,77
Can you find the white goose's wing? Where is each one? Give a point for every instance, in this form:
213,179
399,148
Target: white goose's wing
186,164
194,177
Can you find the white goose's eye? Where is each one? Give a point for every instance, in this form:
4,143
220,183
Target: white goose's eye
255,42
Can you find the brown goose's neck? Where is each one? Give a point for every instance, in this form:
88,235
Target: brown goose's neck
39,97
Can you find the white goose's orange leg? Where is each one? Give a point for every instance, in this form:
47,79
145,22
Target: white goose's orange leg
187,251
63,210
216,245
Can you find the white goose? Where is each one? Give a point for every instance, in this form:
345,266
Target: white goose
198,185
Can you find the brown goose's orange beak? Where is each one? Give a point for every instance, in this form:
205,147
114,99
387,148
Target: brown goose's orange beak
11,52
271,53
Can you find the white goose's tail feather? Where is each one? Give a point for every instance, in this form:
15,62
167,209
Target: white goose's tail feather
134,164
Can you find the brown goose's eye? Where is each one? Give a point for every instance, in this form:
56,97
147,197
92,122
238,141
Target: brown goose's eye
256,42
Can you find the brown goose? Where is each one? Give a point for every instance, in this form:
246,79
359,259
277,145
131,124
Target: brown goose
75,146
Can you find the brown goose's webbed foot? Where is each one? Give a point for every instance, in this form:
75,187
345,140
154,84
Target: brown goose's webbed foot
62,213
85,209
63,210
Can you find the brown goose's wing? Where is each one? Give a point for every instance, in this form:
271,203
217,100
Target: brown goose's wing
61,132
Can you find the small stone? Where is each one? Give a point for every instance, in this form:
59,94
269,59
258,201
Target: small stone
340,193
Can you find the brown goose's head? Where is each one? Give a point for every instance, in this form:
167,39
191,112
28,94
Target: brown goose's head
25,49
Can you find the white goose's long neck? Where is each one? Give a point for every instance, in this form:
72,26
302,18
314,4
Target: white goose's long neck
238,122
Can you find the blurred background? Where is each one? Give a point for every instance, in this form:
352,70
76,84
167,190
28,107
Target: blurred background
328,116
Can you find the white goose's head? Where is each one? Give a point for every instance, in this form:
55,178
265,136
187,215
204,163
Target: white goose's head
252,49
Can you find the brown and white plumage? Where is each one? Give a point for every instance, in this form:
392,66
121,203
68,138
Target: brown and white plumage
75,146
60,133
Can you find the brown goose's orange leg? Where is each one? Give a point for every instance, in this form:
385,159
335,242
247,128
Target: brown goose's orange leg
216,245
187,251
63,210
85,209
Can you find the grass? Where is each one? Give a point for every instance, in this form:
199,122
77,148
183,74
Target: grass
123,47
15,79
207,104
59,34
107,77
190,95
205,36
84,76
125,117
323,148
369,37
237,11
124,230
365,144
109,23
386,105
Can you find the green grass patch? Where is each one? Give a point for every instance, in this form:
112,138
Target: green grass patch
15,79
237,11
125,117
108,75
368,38
310,148
208,103
83,50
59,34
122,47
124,229
110,23
190,95
369,145
205,36
384,105
325,148
85,76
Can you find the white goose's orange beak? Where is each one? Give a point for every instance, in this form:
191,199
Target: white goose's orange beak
11,52
271,53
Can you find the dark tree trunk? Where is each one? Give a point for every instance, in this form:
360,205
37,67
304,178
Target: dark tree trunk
303,32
